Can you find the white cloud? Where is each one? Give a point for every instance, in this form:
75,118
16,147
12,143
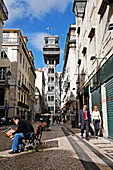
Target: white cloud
34,8
37,40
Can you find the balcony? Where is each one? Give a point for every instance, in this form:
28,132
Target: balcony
11,41
4,9
23,105
51,51
23,86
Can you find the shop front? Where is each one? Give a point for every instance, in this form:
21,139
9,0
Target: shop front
109,102
102,95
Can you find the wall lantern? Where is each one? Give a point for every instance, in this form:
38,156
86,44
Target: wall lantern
79,7
8,75
95,58
109,2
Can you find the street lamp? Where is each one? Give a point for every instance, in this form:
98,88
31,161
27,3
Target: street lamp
79,7
8,75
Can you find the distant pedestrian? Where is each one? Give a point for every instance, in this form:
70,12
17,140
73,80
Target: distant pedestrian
84,121
96,120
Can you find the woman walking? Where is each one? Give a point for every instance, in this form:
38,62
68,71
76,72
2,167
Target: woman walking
96,120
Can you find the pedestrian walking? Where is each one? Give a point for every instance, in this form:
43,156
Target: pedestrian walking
96,120
84,121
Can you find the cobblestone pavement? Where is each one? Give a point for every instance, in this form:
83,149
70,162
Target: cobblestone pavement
62,149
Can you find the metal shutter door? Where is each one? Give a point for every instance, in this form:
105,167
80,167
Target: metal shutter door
96,99
109,101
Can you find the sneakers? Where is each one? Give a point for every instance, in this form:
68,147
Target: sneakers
87,139
82,137
96,137
14,152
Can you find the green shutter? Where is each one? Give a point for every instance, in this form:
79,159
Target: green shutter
96,99
109,101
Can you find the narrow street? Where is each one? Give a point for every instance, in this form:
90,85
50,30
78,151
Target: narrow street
62,149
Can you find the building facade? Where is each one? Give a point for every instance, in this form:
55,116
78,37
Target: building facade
58,99
40,91
51,53
94,32
68,79
19,92
3,17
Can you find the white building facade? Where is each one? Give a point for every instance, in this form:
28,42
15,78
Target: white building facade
40,105
94,32
69,77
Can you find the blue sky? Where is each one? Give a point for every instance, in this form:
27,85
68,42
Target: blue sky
34,16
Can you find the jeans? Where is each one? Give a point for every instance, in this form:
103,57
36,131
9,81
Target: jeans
18,136
85,126
96,126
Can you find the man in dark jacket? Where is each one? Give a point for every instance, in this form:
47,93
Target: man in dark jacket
84,121
25,130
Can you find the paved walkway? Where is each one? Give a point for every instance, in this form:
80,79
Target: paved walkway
63,149
102,144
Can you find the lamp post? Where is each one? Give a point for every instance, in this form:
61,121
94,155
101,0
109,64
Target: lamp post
79,7
7,77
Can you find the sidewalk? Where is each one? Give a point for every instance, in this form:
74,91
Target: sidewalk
102,144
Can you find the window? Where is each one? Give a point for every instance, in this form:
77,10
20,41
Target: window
56,41
18,95
51,41
50,88
23,62
51,70
46,41
93,46
22,98
25,81
6,37
26,67
51,61
2,73
4,53
19,76
50,109
50,98
2,90
22,78
20,58
50,79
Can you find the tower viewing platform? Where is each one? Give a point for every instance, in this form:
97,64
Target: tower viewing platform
51,49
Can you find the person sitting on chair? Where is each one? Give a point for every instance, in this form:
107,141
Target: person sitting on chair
25,130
